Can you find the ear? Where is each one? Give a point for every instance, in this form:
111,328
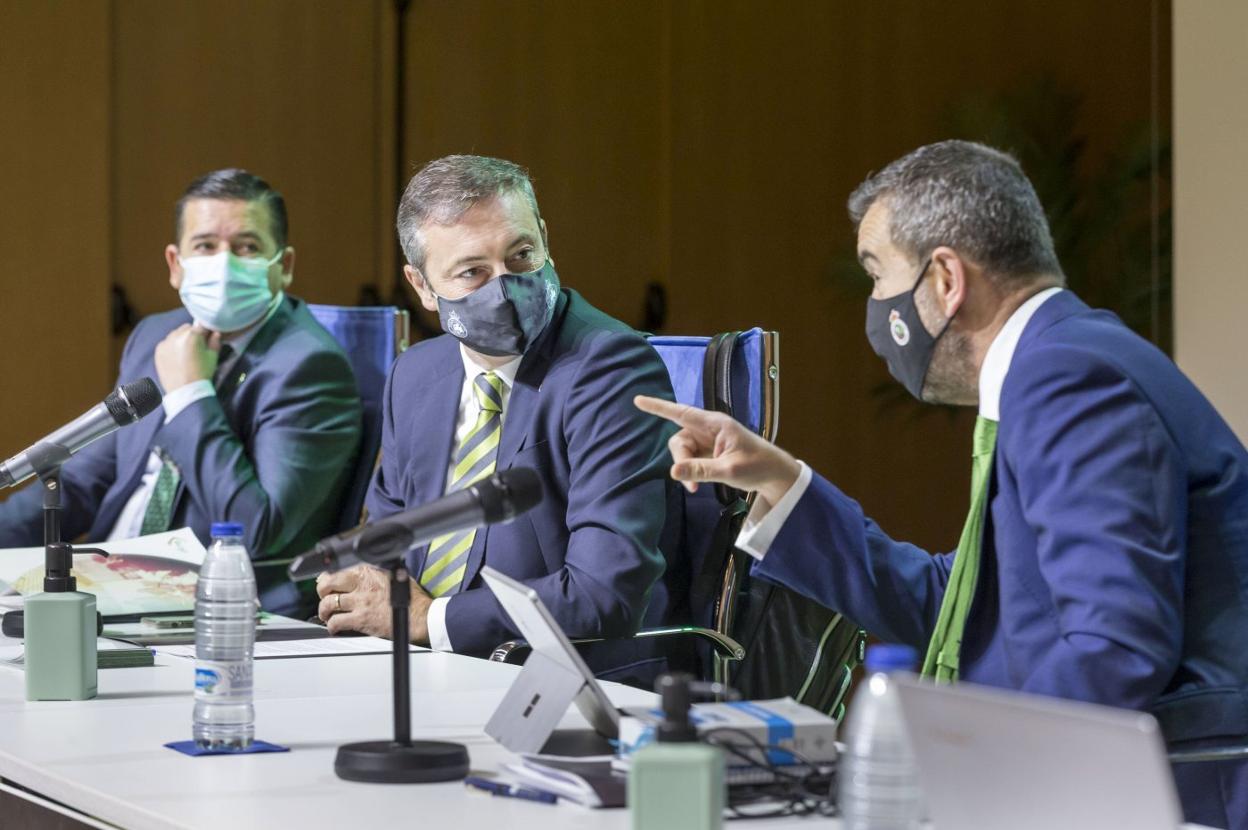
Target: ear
287,273
417,280
949,275
541,223
175,267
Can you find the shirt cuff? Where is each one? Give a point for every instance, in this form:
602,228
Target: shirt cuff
185,395
764,522
435,620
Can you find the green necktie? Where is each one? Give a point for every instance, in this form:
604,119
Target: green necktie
474,460
160,506
944,651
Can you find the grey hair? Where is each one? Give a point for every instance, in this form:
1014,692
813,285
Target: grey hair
971,197
445,189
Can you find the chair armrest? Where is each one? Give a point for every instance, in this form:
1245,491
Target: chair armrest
724,645
1231,753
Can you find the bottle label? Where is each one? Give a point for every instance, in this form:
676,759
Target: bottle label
217,681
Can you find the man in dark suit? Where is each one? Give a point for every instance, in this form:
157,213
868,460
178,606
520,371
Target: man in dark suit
529,374
1105,557
261,418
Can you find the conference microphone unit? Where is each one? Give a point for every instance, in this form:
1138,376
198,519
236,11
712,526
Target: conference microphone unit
500,498
124,406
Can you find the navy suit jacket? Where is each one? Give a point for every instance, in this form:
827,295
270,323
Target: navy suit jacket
272,450
1115,566
595,548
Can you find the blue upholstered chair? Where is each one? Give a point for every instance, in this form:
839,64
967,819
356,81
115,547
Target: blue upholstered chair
755,378
372,337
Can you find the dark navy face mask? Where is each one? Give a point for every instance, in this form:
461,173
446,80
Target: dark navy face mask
898,335
504,316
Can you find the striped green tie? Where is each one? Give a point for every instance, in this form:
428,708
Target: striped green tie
474,460
160,506
943,658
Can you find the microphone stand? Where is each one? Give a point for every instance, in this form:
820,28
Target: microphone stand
401,761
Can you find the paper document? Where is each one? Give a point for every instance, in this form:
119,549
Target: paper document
142,575
324,647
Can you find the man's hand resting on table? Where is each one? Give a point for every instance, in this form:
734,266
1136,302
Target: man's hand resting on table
714,447
358,599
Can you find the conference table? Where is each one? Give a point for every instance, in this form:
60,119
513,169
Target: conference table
102,763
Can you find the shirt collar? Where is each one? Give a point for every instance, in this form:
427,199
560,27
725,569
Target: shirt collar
1001,354
238,343
506,372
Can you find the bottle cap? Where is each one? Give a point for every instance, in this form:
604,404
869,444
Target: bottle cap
226,529
886,657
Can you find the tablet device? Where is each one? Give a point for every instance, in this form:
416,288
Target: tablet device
554,665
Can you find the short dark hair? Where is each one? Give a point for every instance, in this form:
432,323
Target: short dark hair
966,195
444,189
239,185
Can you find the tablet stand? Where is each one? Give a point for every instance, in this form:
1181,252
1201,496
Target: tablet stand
535,703
401,761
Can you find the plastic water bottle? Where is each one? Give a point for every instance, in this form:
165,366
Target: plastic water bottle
225,631
878,780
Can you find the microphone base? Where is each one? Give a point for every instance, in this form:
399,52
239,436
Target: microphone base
386,762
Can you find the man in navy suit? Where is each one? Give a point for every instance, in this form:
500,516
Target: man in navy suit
528,374
261,417
1105,557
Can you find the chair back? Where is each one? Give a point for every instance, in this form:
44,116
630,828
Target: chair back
372,337
755,375
738,372
792,646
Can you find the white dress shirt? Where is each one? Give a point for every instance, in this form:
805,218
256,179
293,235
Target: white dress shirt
763,523
469,409
130,522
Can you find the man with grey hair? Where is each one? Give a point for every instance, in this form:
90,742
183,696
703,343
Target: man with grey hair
1105,553
528,374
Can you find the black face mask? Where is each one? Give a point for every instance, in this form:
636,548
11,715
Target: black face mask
898,335
504,316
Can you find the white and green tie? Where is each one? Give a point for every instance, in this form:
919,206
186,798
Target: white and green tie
474,460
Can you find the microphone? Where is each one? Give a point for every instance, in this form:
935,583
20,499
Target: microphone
500,498
124,406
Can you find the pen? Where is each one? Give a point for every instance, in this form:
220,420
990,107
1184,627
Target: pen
510,790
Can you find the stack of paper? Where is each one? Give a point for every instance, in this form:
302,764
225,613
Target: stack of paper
110,654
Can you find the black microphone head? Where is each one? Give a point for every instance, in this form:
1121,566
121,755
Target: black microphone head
506,495
132,401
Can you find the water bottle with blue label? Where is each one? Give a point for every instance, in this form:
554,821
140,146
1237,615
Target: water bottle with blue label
225,631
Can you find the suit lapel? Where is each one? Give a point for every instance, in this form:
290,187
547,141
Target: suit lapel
238,367
433,414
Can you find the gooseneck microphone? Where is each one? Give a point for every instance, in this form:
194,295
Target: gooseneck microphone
500,498
124,406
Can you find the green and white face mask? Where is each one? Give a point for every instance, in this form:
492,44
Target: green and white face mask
224,292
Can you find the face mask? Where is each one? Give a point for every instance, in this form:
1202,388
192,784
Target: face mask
504,316
898,335
224,292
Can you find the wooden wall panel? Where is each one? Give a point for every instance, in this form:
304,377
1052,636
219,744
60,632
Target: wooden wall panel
54,219
287,89
575,92
712,145
706,144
